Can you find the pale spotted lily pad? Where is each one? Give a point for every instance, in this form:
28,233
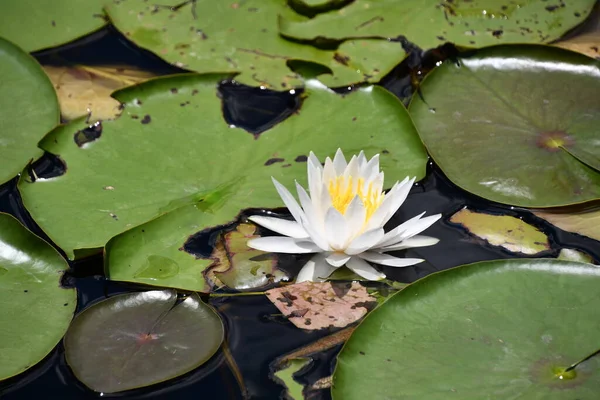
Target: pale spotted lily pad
505,231
318,305
430,23
242,37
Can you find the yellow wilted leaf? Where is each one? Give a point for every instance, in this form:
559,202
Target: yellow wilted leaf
83,89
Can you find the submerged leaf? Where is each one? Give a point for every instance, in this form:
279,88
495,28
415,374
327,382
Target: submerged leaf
86,90
507,323
318,305
138,339
240,267
285,375
35,311
503,230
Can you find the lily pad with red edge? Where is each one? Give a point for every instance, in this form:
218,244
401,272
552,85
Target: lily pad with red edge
35,310
502,329
515,124
138,339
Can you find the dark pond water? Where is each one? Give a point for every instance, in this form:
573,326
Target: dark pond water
255,334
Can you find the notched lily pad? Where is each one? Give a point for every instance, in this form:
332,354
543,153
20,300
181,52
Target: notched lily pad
242,37
587,40
430,23
35,310
239,267
138,339
535,146
507,322
505,231
318,305
84,90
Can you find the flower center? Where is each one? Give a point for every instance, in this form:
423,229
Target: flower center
343,189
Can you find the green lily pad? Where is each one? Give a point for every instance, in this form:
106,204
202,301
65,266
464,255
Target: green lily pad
431,23
36,25
242,37
28,108
511,233
36,310
204,171
139,339
499,329
515,124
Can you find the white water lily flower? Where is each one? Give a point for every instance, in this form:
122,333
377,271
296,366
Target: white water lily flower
342,220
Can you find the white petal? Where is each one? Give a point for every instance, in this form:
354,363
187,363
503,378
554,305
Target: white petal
398,198
352,168
289,201
371,170
283,226
362,159
386,259
365,241
420,225
384,212
314,222
395,235
315,175
355,216
336,229
415,241
282,244
328,171
362,268
339,162
337,259
316,269
312,159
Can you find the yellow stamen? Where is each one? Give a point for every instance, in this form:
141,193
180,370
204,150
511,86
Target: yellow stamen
342,190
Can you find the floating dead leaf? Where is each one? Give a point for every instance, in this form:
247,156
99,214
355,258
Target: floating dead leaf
286,367
83,89
575,255
503,230
318,305
239,267
586,223
588,40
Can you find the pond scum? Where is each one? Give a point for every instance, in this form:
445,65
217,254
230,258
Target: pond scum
176,218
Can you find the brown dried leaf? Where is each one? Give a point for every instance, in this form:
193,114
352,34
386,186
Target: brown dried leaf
83,89
588,40
318,305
